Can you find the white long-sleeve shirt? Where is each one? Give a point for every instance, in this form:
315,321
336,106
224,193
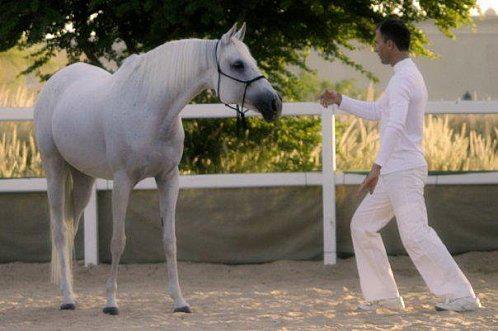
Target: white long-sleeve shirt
400,111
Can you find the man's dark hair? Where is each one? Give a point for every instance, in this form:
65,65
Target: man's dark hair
395,30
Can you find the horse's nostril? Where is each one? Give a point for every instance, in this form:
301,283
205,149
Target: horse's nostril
276,104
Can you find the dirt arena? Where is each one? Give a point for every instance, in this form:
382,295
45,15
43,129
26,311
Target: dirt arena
281,295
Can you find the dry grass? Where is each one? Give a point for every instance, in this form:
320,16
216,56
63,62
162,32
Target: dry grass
20,97
465,149
357,147
18,157
18,154
448,143
451,143
446,149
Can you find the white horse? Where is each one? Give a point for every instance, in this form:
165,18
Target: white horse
126,126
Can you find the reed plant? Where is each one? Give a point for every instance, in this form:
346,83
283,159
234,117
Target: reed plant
451,143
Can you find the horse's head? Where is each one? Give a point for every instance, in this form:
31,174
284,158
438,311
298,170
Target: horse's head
239,80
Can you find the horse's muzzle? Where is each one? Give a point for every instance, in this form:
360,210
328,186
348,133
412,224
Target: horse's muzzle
270,106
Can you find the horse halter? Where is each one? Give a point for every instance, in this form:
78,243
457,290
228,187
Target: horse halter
241,112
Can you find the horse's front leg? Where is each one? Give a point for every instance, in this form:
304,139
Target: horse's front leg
168,185
120,195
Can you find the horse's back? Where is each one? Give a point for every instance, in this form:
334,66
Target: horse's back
62,80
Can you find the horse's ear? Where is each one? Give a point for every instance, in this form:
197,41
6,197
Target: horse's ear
226,37
241,33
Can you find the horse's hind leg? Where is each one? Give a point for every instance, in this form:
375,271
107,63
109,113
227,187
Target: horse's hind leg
57,172
82,190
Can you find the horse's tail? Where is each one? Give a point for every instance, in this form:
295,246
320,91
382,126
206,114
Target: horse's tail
68,222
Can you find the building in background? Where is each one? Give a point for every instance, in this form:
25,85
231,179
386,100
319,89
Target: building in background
467,65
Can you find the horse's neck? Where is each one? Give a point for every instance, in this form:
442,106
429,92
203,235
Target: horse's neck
176,73
157,85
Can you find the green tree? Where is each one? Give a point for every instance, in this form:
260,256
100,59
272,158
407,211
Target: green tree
292,144
281,32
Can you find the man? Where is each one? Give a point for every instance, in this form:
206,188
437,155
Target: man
396,185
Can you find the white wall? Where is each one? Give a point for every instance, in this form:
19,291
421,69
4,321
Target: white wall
467,63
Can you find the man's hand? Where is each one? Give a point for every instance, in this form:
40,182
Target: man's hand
370,181
330,97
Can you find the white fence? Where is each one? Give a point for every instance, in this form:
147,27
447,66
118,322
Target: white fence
327,178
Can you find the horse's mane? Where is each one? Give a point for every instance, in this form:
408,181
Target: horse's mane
166,67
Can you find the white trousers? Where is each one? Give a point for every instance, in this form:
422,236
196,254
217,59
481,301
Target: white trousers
400,194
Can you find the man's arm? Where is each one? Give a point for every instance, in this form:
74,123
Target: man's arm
399,100
366,110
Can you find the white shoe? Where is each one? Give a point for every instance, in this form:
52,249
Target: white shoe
393,304
460,304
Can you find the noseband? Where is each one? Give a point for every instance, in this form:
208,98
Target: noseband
241,112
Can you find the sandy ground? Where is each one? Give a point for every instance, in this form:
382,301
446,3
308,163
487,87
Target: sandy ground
281,295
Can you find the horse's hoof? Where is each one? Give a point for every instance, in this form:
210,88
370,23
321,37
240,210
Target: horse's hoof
184,309
111,310
68,306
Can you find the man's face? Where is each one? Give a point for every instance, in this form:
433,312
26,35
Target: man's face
382,48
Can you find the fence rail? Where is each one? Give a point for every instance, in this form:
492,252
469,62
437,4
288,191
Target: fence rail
328,178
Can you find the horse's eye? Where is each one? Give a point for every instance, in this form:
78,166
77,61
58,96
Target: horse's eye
238,65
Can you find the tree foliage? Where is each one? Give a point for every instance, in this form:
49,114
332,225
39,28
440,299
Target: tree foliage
281,32
291,144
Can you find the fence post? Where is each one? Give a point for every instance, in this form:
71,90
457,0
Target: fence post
91,247
328,185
